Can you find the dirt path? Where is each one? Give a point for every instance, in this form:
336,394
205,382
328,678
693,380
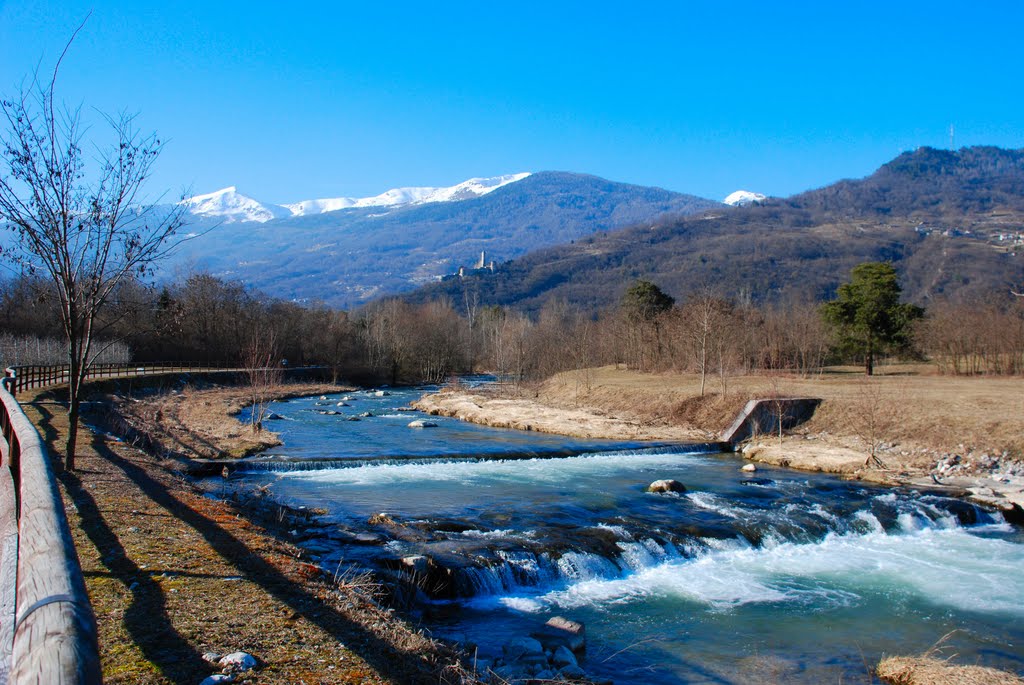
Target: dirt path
172,575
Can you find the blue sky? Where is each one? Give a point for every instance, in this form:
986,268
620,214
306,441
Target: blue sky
293,101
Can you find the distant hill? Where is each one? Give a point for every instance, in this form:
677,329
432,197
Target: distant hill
953,222
349,256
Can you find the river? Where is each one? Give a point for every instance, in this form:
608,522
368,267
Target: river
778,576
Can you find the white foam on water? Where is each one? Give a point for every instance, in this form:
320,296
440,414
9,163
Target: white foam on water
510,470
719,505
498,533
949,567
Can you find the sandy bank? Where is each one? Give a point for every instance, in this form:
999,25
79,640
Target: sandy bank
203,423
530,415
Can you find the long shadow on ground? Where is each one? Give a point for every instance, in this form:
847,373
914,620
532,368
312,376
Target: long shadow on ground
375,651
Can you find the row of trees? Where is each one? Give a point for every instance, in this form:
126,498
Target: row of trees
203,318
86,239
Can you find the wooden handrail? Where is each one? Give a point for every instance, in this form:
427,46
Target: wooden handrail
28,376
51,625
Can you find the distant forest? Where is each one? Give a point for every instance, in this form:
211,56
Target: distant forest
203,318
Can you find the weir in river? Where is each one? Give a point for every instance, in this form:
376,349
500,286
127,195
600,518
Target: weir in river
803,574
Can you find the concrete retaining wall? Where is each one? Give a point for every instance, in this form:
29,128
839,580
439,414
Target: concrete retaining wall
763,416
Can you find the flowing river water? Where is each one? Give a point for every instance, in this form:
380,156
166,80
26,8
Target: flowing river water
777,576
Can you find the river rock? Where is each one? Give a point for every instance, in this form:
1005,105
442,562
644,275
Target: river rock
417,563
274,417
421,423
520,647
563,657
217,679
559,631
238,661
381,393
749,468
323,397
666,485
343,404
572,672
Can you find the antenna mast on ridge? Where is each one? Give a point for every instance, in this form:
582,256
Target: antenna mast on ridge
951,136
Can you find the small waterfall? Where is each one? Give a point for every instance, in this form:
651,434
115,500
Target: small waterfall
633,552
284,464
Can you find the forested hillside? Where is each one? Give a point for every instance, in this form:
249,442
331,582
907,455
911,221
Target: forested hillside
951,222
347,257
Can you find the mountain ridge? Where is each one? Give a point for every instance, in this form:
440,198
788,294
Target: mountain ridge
346,258
951,221
230,206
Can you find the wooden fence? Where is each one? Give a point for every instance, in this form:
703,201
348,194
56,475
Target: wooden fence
26,377
47,627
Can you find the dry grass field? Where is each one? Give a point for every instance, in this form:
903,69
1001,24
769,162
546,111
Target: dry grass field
906,406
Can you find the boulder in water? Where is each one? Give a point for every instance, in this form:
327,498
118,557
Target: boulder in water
559,631
416,563
421,423
572,672
563,656
522,647
666,485
748,468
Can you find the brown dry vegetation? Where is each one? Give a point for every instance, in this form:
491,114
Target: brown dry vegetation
923,410
172,574
927,670
198,422
903,420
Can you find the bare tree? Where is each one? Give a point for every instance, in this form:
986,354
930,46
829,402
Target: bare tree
77,214
878,414
263,372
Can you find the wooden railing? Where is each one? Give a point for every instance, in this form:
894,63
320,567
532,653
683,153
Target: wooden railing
26,377
47,627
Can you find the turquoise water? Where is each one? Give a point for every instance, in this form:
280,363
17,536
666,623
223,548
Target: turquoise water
783,577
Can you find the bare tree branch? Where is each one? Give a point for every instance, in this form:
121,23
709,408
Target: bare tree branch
78,219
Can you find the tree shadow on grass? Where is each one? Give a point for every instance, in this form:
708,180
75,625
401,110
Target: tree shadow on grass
145,617
381,655
146,614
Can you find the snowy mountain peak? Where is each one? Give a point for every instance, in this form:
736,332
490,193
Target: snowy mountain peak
396,197
742,198
230,206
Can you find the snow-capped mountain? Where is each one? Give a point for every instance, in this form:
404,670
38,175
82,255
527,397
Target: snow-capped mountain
474,187
742,198
411,236
230,206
